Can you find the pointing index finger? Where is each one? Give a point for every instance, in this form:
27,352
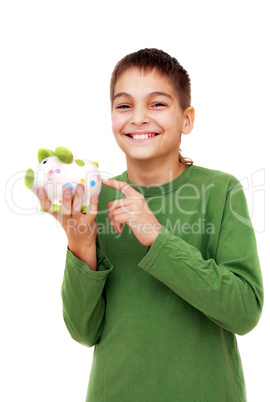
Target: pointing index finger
124,187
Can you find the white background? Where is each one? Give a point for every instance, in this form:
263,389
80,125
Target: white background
56,61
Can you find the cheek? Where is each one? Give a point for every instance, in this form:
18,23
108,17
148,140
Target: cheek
118,123
172,122
166,122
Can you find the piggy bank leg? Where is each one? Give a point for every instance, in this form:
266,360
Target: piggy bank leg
56,208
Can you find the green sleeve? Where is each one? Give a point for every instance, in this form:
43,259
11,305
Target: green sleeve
83,298
227,288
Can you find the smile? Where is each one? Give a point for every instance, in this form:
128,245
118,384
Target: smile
142,136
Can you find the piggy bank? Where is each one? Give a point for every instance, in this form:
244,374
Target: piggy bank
59,169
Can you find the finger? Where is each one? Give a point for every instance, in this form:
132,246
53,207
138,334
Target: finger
118,227
77,200
45,204
125,205
93,207
129,213
117,223
121,203
124,187
67,200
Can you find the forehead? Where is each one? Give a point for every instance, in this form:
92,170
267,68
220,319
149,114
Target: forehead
136,80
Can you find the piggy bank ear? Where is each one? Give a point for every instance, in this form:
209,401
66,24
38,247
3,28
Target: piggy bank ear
44,153
64,154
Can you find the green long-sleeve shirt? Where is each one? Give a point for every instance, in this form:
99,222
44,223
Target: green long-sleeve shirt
163,320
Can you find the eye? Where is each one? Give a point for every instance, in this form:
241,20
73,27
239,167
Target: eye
158,104
45,161
123,107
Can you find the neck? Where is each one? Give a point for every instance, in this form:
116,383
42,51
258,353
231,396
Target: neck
147,173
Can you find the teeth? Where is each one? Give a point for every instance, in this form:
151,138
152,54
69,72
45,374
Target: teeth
142,136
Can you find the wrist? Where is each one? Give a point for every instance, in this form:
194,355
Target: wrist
156,230
88,254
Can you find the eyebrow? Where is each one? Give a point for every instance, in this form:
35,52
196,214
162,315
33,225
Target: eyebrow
156,93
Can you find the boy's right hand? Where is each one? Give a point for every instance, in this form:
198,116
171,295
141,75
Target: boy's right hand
80,228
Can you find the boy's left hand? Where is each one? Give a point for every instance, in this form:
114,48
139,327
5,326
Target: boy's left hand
134,211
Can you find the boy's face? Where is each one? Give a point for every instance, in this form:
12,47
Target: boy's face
147,120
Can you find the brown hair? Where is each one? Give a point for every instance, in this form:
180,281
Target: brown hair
163,63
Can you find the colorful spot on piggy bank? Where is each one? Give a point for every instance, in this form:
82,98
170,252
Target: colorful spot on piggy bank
59,169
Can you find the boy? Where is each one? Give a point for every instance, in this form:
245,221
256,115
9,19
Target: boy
167,271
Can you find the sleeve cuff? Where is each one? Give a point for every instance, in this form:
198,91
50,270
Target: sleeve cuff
104,266
154,251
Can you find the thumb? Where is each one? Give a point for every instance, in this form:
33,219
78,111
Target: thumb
93,206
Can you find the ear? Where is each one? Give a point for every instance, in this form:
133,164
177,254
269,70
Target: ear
29,178
189,115
64,155
44,153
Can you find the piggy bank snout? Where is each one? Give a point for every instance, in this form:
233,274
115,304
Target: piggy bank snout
50,174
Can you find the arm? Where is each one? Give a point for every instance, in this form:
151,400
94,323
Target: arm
80,228
228,287
83,298
86,267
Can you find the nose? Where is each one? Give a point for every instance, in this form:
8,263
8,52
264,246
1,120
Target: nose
50,174
140,116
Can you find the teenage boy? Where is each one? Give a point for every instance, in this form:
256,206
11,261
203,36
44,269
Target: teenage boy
167,271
